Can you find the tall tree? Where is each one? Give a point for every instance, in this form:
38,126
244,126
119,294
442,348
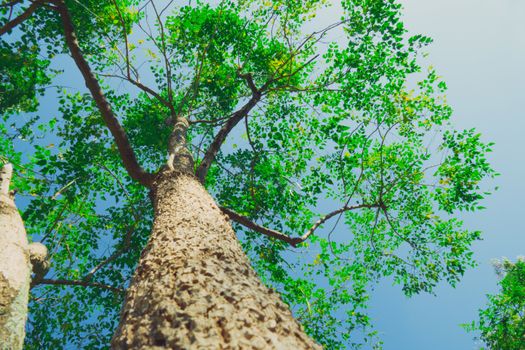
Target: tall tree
249,113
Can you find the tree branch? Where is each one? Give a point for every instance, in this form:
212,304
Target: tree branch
243,220
119,134
249,80
79,283
217,142
128,77
117,253
291,74
25,15
215,146
144,88
10,3
129,232
293,241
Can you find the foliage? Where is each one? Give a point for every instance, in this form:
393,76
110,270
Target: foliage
27,71
502,323
355,122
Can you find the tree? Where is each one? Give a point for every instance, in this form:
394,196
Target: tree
14,275
502,323
17,260
231,115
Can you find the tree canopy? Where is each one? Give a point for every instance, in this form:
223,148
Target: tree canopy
295,123
502,323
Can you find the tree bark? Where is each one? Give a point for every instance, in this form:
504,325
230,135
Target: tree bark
15,269
194,287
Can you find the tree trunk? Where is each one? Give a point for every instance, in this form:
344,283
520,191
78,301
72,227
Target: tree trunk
194,287
15,269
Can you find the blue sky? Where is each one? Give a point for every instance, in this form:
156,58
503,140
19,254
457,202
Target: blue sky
479,49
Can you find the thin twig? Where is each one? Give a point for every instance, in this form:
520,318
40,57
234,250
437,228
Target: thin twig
46,281
124,31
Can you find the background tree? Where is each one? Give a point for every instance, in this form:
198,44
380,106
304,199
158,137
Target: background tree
502,323
18,260
280,121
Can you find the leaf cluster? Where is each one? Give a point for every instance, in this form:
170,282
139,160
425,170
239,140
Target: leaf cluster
502,322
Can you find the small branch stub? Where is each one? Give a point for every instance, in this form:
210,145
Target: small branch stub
5,178
38,255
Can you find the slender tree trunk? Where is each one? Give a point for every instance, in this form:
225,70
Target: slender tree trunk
194,287
15,269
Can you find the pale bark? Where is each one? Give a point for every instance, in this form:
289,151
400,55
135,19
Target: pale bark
15,269
194,287
17,259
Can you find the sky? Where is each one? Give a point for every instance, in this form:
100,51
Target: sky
479,50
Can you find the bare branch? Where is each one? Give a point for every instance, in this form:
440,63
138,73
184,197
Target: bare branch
166,7
25,15
54,224
194,86
334,213
119,134
79,283
243,220
61,190
294,241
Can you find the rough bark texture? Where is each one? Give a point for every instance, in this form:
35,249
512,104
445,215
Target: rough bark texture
194,287
15,269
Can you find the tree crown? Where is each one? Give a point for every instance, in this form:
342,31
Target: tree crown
291,128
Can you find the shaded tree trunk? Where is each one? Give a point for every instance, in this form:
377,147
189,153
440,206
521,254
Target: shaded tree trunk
194,287
15,269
